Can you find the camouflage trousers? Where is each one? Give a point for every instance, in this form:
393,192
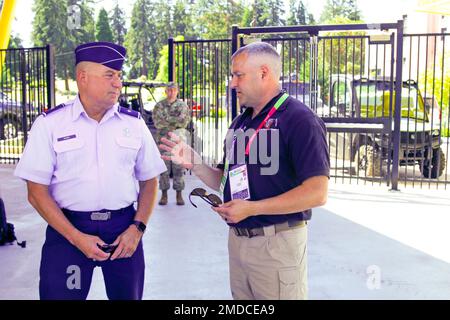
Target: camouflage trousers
178,177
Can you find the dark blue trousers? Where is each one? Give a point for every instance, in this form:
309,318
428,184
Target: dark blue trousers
66,273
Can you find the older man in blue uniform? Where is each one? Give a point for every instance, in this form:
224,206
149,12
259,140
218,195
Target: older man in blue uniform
86,163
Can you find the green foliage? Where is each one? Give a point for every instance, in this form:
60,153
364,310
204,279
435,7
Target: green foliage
297,13
214,18
221,112
163,69
140,39
435,82
340,56
52,25
15,41
439,84
103,30
247,17
340,8
118,25
266,13
181,22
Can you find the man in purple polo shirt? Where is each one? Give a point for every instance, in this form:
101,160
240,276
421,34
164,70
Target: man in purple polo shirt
267,203
82,163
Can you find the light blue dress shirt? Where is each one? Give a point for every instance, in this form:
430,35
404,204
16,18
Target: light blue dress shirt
90,165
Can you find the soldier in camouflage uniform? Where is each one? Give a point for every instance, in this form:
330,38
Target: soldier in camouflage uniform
171,114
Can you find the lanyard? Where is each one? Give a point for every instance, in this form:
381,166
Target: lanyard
223,180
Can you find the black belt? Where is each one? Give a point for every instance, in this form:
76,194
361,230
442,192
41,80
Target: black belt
263,231
98,215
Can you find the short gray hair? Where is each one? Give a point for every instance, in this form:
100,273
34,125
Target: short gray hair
262,49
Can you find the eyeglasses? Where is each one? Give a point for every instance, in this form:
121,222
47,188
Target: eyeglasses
212,199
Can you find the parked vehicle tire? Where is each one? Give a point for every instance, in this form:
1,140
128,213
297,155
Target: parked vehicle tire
367,161
9,128
434,168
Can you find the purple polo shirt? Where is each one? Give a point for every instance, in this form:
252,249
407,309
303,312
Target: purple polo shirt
90,165
303,153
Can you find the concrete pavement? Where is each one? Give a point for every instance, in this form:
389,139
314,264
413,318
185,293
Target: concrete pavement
366,243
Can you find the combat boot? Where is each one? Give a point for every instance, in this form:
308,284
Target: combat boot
163,200
180,200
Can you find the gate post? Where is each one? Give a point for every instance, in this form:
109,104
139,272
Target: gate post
234,48
171,61
398,101
313,70
23,81
50,60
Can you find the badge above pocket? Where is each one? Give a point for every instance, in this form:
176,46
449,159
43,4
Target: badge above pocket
65,144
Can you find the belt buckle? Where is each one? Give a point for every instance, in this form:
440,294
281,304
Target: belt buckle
250,233
241,232
100,216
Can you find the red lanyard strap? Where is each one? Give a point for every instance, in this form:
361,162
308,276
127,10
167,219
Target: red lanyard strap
271,112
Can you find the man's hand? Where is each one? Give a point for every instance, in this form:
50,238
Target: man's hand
88,245
180,152
235,211
126,243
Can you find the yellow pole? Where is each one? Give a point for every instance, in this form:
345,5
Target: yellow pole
6,18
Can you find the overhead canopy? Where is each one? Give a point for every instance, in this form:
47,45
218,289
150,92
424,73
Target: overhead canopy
441,7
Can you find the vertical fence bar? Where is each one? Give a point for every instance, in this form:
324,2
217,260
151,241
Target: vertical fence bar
50,59
171,60
398,97
234,48
23,81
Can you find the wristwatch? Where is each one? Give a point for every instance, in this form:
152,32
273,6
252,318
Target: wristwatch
140,225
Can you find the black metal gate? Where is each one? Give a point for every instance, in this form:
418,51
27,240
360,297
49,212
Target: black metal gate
26,89
331,74
201,68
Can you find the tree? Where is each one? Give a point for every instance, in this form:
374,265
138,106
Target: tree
63,31
260,14
14,41
276,10
298,14
118,25
163,23
339,54
51,28
214,18
340,8
247,17
181,20
352,11
103,29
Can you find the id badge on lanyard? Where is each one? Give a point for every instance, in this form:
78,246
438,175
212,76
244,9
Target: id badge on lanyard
239,186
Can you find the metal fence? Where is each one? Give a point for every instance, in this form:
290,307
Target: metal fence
201,68
26,89
380,130
427,63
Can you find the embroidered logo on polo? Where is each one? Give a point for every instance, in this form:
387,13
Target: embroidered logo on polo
271,123
72,136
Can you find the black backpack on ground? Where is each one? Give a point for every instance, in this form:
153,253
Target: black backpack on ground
7,234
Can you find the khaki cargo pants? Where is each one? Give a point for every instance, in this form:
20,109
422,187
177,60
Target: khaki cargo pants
269,267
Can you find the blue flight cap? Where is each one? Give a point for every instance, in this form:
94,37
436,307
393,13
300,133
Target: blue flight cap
108,54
